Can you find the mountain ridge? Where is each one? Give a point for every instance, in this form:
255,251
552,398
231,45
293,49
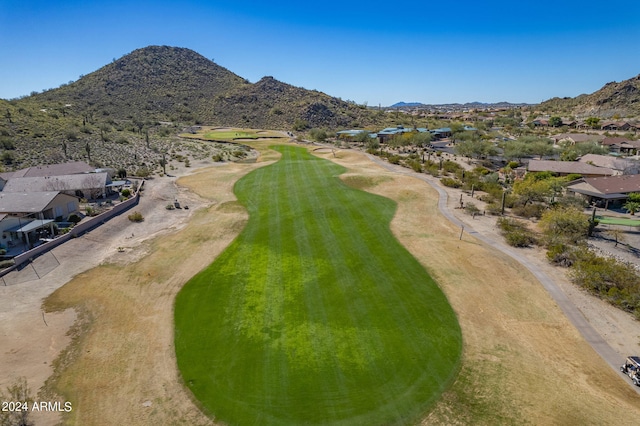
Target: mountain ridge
614,99
178,84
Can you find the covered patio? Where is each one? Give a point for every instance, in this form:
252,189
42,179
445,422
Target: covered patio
28,235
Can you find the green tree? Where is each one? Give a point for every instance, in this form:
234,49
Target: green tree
555,121
593,122
456,129
541,148
634,196
318,135
531,190
421,139
474,148
565,224
514,150
300,125
631,206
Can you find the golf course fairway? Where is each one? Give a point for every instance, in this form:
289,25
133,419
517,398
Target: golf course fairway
315,314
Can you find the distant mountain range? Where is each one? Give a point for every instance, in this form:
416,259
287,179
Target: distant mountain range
457,106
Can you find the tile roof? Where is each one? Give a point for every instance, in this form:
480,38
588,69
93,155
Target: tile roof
615,184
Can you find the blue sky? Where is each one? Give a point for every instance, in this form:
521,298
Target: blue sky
370,52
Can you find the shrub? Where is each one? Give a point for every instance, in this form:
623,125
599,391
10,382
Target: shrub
74,218
565,225
520,239
217,157
516,233
135,217
126,192
529,210
394,159
494,209
560,254
143,172
415,165
451,183
472,209
451,166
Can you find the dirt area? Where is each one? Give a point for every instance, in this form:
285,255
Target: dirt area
522,362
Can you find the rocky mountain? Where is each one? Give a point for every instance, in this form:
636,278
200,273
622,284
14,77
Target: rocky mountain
614,99
128,113
174,84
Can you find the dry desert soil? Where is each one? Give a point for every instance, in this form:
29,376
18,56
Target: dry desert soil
98,329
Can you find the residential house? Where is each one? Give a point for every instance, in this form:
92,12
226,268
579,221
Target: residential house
86,185
574,138
40,205
622,145
34,213
71,168
8,225
443,132
385,135
541,122
618,165
563,168
616,125
604,190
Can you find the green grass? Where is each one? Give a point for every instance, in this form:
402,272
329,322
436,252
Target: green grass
618,221
233,134
315,314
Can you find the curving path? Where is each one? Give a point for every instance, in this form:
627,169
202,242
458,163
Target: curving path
570,310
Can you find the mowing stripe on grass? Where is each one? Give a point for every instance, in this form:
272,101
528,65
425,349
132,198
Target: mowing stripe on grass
315,314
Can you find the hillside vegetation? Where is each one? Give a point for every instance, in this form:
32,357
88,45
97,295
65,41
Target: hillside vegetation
613,100
128,112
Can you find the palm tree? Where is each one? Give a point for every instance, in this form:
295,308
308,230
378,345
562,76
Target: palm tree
632,207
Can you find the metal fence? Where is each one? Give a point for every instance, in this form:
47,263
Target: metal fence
34,270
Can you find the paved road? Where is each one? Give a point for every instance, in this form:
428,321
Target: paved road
570,310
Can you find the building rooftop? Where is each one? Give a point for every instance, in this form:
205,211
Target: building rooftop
71,168
33,202
57,183
608,161
615,184
567,167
